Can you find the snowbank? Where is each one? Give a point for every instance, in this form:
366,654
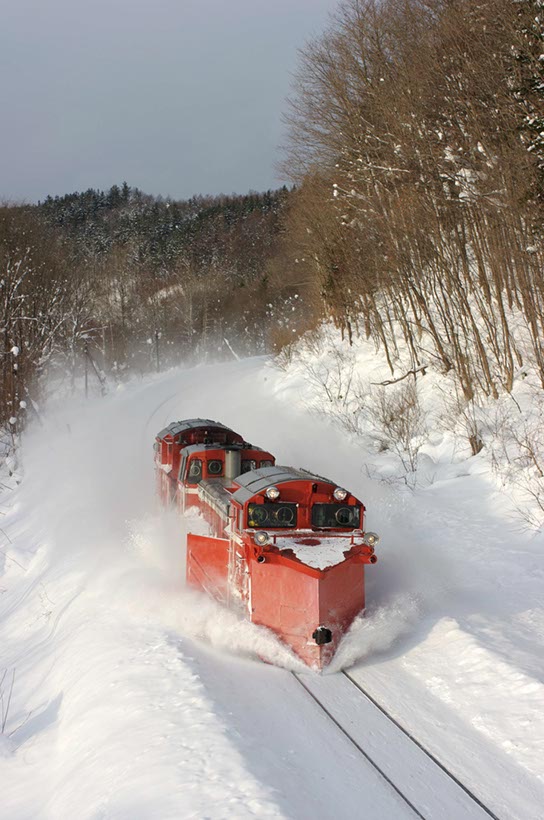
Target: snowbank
135,698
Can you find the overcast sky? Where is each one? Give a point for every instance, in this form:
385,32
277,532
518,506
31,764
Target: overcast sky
176,97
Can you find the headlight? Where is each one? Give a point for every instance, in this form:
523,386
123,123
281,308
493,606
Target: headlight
340,494
371,539
262,538
272,493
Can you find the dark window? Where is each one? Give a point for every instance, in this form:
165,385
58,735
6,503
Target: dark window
248,464
335,515
272,515
215,467
194,475
266,463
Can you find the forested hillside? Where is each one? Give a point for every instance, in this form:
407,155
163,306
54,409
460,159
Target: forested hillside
417,139
107,282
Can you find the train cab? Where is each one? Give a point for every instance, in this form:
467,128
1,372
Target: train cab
170,442
289,548
194,450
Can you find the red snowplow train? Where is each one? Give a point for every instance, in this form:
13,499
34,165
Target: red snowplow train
285,547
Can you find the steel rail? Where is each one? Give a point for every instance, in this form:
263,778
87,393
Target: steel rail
360,748
470,794
418,743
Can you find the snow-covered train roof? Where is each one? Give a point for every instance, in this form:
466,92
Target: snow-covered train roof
257,480
177,427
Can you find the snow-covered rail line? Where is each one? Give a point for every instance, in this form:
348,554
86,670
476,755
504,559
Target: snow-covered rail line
470,794
424,784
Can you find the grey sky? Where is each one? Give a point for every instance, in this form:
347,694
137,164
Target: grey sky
176,97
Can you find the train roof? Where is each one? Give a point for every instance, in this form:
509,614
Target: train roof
190,449
257,480
176,427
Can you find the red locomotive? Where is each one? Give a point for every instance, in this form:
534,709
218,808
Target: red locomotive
286,547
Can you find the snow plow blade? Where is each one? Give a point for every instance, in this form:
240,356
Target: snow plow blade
207,562
309,609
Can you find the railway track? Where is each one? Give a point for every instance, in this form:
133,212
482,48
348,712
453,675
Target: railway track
419,779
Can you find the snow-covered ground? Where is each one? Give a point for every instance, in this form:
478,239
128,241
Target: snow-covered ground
132,697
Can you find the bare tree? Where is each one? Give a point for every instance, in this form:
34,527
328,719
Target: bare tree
407,117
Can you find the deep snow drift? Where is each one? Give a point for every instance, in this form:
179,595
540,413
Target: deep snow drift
133,697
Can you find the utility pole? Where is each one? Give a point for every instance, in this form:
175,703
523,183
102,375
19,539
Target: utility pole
86,356
157,353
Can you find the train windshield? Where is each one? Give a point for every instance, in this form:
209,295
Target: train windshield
215,467
272,515
335,515
194,474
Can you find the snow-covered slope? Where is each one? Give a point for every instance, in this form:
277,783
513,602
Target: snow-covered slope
133,697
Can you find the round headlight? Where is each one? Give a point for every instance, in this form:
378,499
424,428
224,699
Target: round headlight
272,493
261,538
371,539
340,494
